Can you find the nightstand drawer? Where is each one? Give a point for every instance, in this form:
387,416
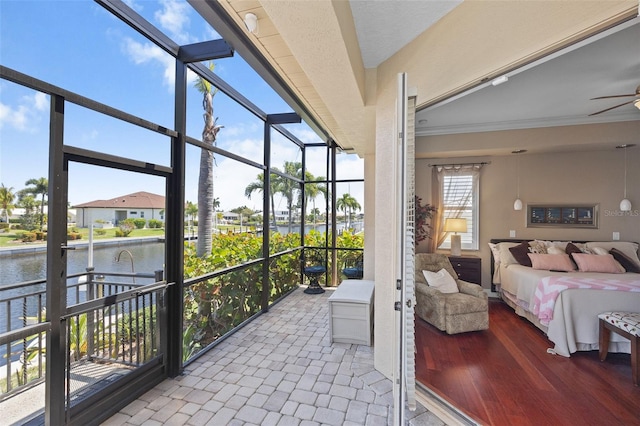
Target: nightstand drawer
468,268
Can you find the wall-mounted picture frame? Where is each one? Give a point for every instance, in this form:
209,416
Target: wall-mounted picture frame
562,215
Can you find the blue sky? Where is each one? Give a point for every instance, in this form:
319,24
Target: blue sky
79,46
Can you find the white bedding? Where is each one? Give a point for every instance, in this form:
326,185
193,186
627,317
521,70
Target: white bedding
574,326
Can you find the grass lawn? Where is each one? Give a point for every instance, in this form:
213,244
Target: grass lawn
8,239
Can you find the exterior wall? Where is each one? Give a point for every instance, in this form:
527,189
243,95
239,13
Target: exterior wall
87,216
564,177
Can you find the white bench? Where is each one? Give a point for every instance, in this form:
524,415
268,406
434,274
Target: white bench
351,312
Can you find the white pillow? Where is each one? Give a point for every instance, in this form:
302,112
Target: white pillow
441,280
555,250
599,251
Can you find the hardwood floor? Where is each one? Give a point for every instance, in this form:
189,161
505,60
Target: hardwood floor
504,376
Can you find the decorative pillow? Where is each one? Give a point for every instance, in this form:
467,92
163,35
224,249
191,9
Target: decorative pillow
579,246
555,250
441,280
559,244
552,262
628,248
596,263
572,248
599,251
520,252
624,260
539,247
506,258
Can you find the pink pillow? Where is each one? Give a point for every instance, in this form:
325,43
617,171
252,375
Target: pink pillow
597,263
548,262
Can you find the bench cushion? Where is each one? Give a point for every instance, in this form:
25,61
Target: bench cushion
627,321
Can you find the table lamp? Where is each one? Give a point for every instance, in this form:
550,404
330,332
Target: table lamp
455,226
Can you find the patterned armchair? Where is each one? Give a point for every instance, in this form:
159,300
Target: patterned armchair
453,313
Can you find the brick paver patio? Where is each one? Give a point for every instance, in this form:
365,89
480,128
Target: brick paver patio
280,369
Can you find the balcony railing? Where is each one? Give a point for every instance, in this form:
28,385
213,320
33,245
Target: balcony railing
107,322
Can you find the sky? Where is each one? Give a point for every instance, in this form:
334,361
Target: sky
78,46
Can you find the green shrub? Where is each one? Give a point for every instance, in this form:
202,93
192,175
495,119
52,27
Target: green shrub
100,231
4,225
125,227
74,236
28,237
40,235
155,223
139,223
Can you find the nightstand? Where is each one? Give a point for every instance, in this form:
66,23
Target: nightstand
468,268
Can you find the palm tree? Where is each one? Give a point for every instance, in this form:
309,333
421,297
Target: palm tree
216,206
191,210
312,190
38,187
6,201
258,186
347,203
288,187
205,180
28,203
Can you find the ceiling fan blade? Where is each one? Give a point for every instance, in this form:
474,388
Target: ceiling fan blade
609,109
614,96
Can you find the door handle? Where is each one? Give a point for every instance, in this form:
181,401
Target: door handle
64,247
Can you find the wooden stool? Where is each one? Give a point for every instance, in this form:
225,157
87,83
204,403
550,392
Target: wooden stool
626,324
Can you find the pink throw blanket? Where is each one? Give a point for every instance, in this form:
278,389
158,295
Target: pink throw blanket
548,288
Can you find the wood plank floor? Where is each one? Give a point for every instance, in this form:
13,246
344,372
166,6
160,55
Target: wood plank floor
504,376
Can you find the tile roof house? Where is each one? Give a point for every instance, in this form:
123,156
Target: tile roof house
138,205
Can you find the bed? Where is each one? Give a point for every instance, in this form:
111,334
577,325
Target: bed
565,305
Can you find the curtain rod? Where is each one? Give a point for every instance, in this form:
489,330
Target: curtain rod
461,164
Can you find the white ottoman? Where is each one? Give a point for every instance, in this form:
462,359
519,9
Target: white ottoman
351,312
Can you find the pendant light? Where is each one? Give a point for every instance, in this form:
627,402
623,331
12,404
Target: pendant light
625,204
517,204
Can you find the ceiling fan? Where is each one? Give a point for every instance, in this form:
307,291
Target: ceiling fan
636,102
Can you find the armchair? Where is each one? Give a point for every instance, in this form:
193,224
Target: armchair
453,313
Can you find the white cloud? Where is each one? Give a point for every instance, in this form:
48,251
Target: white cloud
173,17
14,118
27,112
134,5
41,101
150,53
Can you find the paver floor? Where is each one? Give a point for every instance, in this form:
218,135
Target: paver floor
280,369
